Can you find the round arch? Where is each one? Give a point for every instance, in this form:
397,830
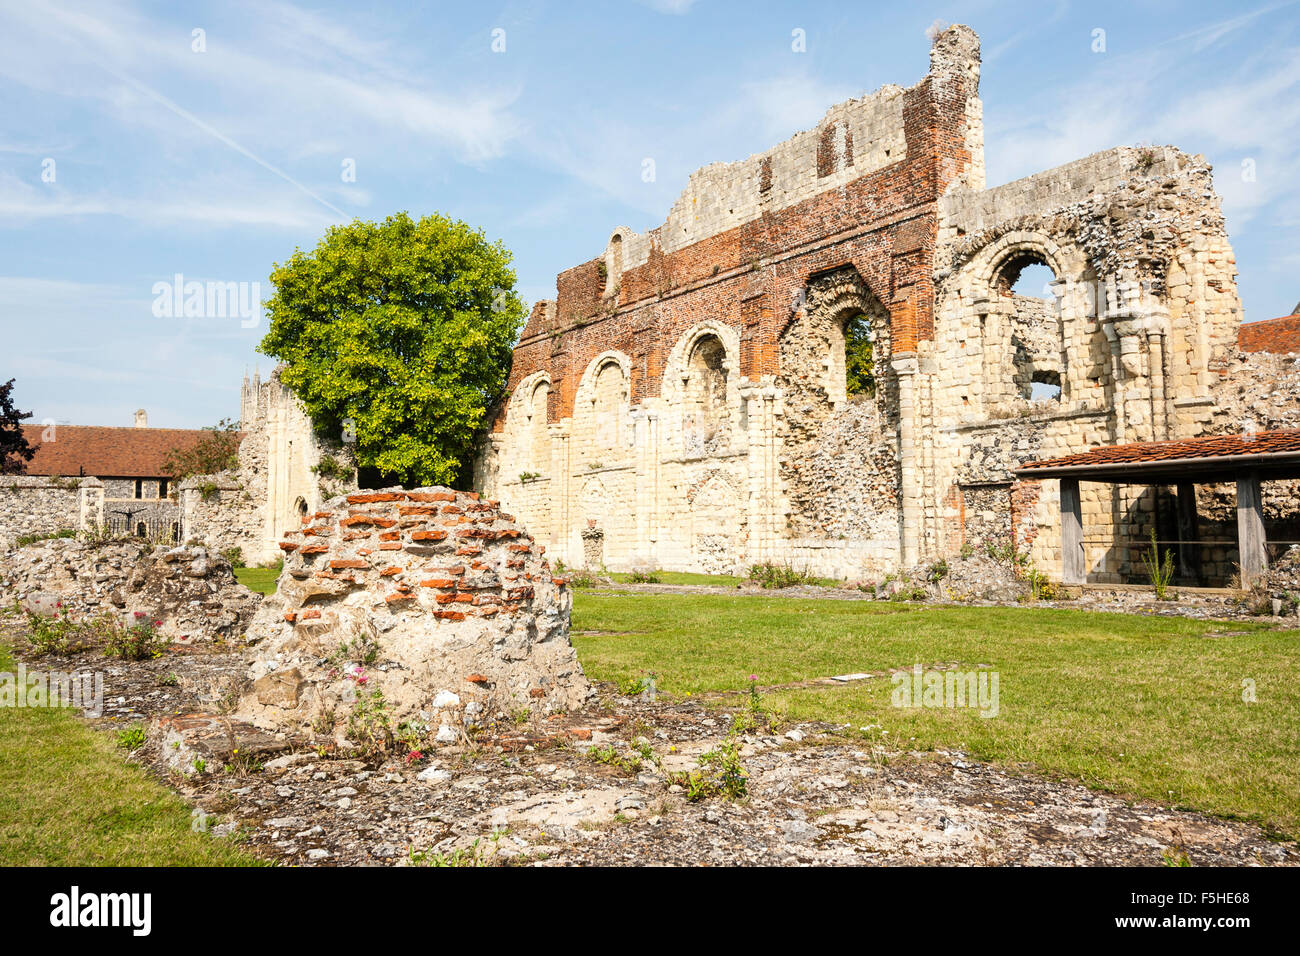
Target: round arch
676,367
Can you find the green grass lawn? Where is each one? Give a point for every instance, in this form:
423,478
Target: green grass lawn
683,577
1143,705
258,579
70,799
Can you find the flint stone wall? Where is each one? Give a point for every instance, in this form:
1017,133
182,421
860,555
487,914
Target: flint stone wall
33,504
432,597
191,591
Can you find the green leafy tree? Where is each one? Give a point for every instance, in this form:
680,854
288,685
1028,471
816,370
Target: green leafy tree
15,452
398,334
216,449
859,365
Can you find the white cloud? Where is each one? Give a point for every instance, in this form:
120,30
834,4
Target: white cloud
278,89
676,7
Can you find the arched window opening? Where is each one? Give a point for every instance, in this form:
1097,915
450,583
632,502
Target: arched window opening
1045,387
859,357
538,445
707,415
1035,326
850,366
612,267
608,405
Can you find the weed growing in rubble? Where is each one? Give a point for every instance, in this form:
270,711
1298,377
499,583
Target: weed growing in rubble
1159,568
132,738
473,855
138,641
633,685
720,774
1040,586
52,635
774,576
630,762
26,539
370,723
583,579
910,592
755,716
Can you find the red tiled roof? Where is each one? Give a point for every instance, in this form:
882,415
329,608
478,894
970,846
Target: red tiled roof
1271,335
103,452
1280,442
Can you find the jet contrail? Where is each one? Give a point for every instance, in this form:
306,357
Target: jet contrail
212,131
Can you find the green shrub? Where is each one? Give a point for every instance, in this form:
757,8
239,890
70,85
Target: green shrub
26,539
772,576
644,577
139,641
331,469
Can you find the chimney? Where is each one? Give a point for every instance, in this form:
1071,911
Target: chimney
141,418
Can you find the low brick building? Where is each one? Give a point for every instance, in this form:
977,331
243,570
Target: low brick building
130,462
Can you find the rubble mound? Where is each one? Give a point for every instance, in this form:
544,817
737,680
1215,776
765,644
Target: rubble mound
426,606
190,590
1283,579
970,579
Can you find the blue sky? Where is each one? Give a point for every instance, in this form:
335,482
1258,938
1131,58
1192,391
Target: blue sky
216,163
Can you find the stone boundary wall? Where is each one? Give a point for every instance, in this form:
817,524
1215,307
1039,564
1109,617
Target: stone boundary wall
219,513
32,504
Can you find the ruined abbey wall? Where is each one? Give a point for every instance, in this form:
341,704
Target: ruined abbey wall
682,402
253,506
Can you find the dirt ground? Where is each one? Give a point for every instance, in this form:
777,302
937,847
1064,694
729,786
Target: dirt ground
530,794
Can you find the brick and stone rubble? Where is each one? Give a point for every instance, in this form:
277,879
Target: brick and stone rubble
190,591
434,598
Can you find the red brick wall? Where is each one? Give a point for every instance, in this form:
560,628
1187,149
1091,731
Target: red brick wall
882,223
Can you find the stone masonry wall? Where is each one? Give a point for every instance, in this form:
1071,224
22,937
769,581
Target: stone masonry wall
192,593
710,293
275,483
32,505
881,212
